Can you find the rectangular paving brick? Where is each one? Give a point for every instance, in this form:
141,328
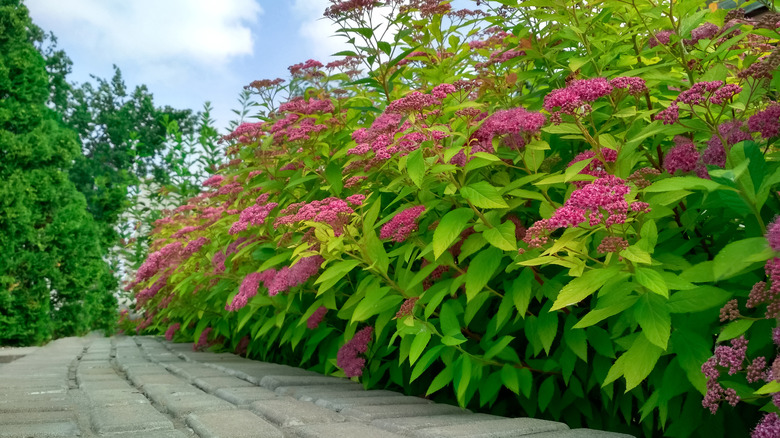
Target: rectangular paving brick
54,429
157,379
233,424
340,430
256,372
116,397
190,371
369,413
159,391
180,405
129,418
504,428
299,391
273,382
405,425
102,385
211,384
339,403
580,433
288,412
245,396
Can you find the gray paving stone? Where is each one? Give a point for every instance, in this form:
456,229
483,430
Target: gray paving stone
157,379
580,433
340,430
103,385
256,372
369,413
308,390
232,424
53,429
152,434
43,403
159,391
407,424
273,382
504,428
245,396
341,403
287,412
191,371
334,392
129,418
37,417
182,404
116,397
211,384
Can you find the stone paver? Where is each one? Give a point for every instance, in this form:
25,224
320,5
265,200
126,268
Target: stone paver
125,387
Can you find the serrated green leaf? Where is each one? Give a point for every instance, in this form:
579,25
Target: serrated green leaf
449,229
483,195
481,270
698,299
582,287
652,314
652,280
502,236
415,167
734,329
740,255
419,343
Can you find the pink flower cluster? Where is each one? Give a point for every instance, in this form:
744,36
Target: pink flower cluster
332,211
589,203
773,234
203,340
407,307
413,102
517,123
302,106
683,157
305,68
248,289
348,358
194,246
596,167
728,357
402,224
662,37
315,318
246,132
732,132
171,330
769,427
343,7
574,99
705,31
766,122
157,261
289,277
700,93
254,215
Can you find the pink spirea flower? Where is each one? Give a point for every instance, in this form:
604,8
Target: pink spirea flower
683,157
766,122
443,90
596,167
316,318
407,307
254,215
194,246
213,181
612,244
591,202
332,211
670,115
661,37
517,122
732,132
348,358
289,277
183,232
575,97
402,224
773,234
769,427
413,102
732,357
756,370
356,199
203,340
171,330
157,261
150,292
247,290
705,31
634,85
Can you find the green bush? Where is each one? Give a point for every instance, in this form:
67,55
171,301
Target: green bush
538,210
53,281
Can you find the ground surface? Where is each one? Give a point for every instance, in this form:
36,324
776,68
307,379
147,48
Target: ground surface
144,387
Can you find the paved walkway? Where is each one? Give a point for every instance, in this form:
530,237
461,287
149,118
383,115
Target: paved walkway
144,387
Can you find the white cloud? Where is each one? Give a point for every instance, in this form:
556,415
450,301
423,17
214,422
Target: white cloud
204,32
319,31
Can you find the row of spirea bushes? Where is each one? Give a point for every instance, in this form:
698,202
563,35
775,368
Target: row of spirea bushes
538,220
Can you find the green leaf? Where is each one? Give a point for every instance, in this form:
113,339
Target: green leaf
577,341
652,314
448,319
419,343
375,251
582,287
740,255
683,183
769,388
546,392
509,378
547,327
481,270
698,299
415,167
441,380
498,347
502,236
333,174
522,292
734,329
464,378
449,229
334,273
425,361
636,363
652,280
483,195
601,313
637,255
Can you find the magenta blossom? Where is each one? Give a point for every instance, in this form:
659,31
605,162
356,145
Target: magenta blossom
316,318
402,224
683,157
348,356
171,330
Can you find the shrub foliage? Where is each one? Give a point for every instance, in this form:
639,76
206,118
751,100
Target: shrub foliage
539,207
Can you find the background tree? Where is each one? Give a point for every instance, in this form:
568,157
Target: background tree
53,280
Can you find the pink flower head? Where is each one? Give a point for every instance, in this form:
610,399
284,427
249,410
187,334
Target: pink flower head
773,234
443,90
412,103
356,199
591,202
203,340
634,85
348,356
194,246
683,157
769,427
402,224
732,132
518,123
574,99
766,122
407,307
171,330
316,318
670,115
705,31
213,181
297,274
247,290
661,37
167,256
596,167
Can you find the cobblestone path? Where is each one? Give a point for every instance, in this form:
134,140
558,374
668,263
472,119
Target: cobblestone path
147,388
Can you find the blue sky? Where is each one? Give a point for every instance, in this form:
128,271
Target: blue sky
188,51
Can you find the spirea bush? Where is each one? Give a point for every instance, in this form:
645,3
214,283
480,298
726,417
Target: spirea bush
535,208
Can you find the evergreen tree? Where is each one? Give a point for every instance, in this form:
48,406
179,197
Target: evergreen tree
53,280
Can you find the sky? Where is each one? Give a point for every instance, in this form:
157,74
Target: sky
188,52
